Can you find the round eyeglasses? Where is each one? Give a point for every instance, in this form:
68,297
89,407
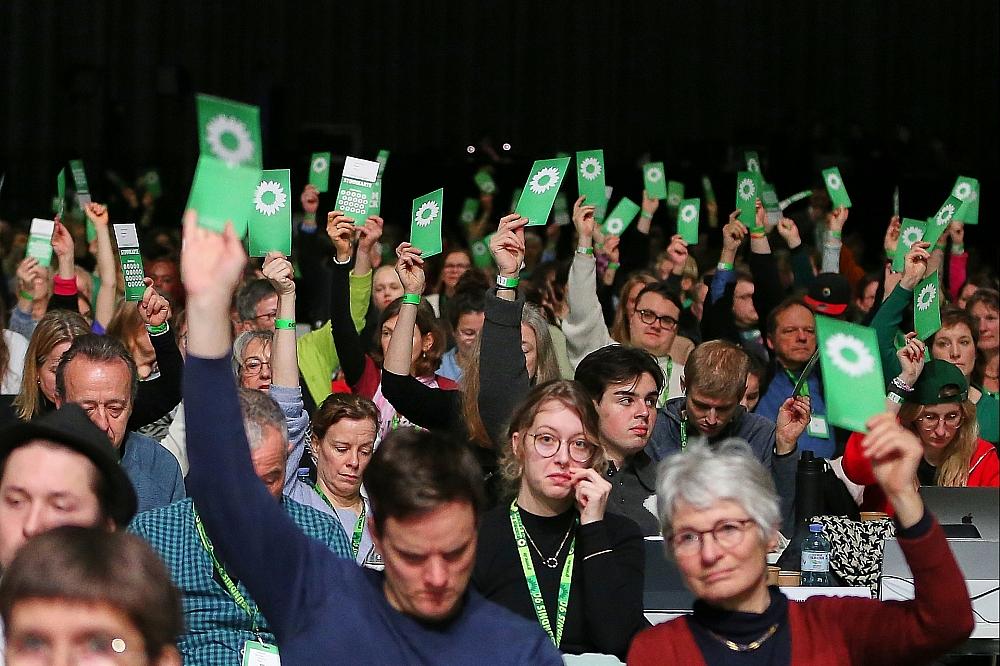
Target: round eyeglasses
648,317
727,534
580,450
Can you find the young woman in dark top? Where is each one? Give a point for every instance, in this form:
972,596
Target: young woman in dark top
555,537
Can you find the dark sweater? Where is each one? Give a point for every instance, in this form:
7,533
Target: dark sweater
322,608
605,601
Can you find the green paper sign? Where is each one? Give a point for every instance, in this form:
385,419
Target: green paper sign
355,191
40,240
319,171
602,208
938,224
752,160
221,194
798,196
80,185
151,181
270,222
910,231
481,257
706,188
927,306
425,222
375,204
59,205
769,199
131,261
967,191
675,193
382,158
687,220
835,188
515,197
747,193
590,176
540,190
852,373
620,217
229,131
484,181
470,208
654,180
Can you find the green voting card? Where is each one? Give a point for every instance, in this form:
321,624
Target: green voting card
222,194
82,193
375,202
927,306
590,176
852,373
270,222
675,192
40,240
319,171
620,217
910,231
752,161
966,190
59,205
687,220
425,223
747,193
481,256
355,191
540,190
938,224
470,208
131,261
484,181
835,188
229,131
654,180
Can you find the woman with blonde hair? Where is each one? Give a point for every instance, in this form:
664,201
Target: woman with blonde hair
53,335
554,554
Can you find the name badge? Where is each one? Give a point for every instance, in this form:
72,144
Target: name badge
818,427
256,653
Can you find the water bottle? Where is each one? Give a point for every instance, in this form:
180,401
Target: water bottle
815,558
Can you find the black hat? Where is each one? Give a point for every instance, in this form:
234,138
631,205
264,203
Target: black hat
829,294
71,427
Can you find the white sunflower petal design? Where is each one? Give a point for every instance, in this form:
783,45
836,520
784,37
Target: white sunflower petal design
863,361
833,181
280,198
221,125
689,213
654,174
945,214
926,297
590,168
911,235
426,213
747,190
544,180
320,164
614,226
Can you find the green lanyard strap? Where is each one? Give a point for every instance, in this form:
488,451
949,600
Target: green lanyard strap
227,582
565,580
794,379
359,526
665,395
684,432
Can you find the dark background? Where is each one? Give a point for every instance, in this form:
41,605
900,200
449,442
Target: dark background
895,93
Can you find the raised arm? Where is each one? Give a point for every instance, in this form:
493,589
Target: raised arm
767,291
64,292
584,324
107,271
252,534
346,340
889,316
156,397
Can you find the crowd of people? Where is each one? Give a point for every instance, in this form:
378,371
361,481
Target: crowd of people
357,454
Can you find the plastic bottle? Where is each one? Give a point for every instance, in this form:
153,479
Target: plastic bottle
816,558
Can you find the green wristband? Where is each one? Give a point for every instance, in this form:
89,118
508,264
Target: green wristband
724,266
645,215
834,234
284,323
412,299
507,283
585,250
613,265
158,330
25,295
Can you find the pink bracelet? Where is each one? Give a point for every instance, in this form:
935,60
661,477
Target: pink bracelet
64,286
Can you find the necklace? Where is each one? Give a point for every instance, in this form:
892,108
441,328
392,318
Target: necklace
550,562
748,647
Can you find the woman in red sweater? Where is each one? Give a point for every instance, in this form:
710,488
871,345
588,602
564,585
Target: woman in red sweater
719,514
932,399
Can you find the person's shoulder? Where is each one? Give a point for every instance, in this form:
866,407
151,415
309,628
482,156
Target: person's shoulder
496,517
620,527
653,645
170,517
505,635
17,343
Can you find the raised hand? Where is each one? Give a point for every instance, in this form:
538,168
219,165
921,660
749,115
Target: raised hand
678,253
649,205
278,271
733,233
211,263
583,220
911,359
915,265
154,310
611,248
32,278
507,245
369,234
895,454
97,213
591,492
956,230
891,240
760,215
62,242
836,218
410,268
340,229
788,230
310,199
793,418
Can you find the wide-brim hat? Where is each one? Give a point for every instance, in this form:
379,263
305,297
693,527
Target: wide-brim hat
70,427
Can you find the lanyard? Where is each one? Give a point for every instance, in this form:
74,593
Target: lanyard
684,431
359,526
227,582
665,394
794,380
532,580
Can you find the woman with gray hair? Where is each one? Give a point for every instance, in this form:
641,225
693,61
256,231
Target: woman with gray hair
719,514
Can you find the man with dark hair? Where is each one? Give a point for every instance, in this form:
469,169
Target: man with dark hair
98,373
466,313
217,625
256,306
715,380
424,492
624,383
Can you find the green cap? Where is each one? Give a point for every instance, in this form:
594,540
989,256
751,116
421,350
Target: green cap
938,375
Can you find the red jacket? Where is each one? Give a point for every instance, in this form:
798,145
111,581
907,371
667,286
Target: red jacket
852,630
984,471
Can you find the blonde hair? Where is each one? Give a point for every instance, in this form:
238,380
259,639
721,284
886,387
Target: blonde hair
619,327
953,470
55,327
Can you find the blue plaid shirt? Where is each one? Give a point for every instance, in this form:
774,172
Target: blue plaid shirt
216,627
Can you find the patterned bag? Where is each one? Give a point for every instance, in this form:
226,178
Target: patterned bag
857,548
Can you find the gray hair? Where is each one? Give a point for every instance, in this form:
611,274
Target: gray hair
260,411
242,342
706,474
546,366
250,295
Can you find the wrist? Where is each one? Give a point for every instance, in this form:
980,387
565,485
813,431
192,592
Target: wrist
25,296
794,243
159,329
835,233
613,266
784,446
342,258
646,215
284,324
585,249
507,282
724,266
411,299
64,286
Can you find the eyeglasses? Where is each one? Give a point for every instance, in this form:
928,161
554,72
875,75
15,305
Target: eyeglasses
648,317
580,450
267,316
931,421
254,365
727,534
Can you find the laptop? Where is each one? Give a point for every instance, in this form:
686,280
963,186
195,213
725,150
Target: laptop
959,509
664,586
